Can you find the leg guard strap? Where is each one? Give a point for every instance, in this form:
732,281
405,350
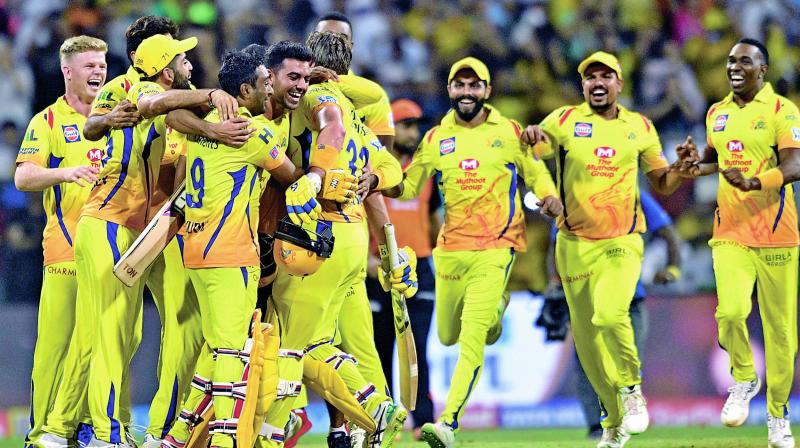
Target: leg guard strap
289,388
288,353
363,394
272,433
227,426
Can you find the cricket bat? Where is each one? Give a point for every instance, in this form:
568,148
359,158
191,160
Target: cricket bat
406,349
153,239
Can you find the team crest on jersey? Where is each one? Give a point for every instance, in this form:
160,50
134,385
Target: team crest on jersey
326,99
735,146
274,153
720,122
447,146
583,129
71,133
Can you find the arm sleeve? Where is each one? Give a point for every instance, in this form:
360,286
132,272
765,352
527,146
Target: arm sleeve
37,145
550,125
361,91
651,156
421,168
264,149
787,126
141,90
108,98
536,176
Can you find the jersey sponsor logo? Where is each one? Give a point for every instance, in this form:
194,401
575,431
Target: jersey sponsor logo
71,133
94,155
583,129
447,146
195,227
735,146
326,99
274,153
23,151
796,134
605,152
469,164
720,122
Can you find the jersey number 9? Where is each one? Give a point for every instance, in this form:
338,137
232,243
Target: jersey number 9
198,184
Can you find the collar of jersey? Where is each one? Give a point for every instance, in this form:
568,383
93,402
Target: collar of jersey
132,75
493,118
766,95
62,106
623,114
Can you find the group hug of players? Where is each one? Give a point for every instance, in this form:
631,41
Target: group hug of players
285,163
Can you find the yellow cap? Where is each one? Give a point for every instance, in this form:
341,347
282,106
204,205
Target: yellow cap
477,66
609,60
156,52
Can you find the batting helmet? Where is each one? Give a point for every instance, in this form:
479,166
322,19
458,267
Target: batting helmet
300,251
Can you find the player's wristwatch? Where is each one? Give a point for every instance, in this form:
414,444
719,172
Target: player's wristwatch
211,103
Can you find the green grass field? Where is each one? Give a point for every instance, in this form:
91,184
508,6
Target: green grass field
679,437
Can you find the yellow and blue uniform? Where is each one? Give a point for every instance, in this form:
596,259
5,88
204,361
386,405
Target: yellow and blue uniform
54,139
117,210
755,239
599,247
483,227
308,307
221,255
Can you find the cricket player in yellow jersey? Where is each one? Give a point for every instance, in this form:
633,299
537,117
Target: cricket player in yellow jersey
753,140
599,148
221,252
57,159
336,143
479,155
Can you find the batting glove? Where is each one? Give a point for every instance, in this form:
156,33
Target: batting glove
403,277
301,203
339,186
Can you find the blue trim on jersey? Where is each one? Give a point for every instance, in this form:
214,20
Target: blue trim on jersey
238,180
244,275
54,163
126,159
247,210
179,237
115,436
635,215
151,135
510,262
512,193
454,425
111,235
780,209
173,406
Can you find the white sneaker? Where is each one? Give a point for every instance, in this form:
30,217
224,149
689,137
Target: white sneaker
47,440
358,437
389,419
292,426
635,418
780,434
150,441
737,406
613,438
438,435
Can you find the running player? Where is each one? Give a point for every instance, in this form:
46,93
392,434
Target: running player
600,147
753,141
57,159
477,151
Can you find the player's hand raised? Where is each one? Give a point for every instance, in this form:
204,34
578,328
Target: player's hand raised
551,206
735,177
687,151
301,203
80,174
233,132
124,115
224,103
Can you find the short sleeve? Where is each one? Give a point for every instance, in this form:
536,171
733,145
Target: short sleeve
37,145
550,125
421,167
141,90
264,149
108,98
651,155
787,125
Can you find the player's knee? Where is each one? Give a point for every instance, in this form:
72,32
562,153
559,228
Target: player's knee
447,338
604,319
731,314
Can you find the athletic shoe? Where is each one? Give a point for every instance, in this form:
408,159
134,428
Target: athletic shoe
635,418
298,425
130,441
780,434
338,439
47,440
737,406
389,419
595,433
615,437
150,441
496,330
358,437
438,435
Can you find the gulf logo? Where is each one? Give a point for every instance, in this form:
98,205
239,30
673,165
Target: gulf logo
735,146
605,152
447,146
720,122
71,133
94,155
274,153
583,129
469,164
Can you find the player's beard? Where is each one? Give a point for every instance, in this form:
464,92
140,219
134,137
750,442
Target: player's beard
476,109
181,82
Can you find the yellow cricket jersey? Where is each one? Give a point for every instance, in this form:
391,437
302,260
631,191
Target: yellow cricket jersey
478,169
54,139
131,167
749,138
114,91
598,164
371,102
223,190
353,155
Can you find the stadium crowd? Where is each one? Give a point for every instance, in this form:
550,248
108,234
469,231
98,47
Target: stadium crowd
672,55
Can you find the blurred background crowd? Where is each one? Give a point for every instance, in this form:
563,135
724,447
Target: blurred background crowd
673,55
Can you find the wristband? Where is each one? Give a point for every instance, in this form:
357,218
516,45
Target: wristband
316,181
324,157
674,271
772,179
210,103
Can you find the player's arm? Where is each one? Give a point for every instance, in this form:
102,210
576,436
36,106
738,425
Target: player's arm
123,115
233,132
417,173
161,103
651,158
361,91
534,172
32,177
